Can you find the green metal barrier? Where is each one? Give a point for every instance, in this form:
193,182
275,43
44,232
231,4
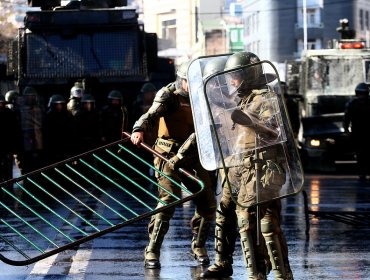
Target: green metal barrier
74,201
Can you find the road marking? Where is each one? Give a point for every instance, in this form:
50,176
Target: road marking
80,261
42,267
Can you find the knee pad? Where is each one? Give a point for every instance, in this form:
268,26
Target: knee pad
267,226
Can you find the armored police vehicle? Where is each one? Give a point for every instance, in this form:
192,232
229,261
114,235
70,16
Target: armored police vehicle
101,44
328,78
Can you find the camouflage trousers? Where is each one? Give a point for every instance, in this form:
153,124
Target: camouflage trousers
205,202
243,190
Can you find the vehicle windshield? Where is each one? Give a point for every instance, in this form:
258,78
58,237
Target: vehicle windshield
98,54
331,83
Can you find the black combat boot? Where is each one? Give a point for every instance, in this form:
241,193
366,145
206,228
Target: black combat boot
198,242
218,270
152,251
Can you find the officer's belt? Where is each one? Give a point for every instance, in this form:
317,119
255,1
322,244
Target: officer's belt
166,145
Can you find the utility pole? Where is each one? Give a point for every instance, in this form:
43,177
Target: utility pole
304,25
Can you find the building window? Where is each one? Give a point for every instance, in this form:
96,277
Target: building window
247,28
313,17
361,19
255,23
169,31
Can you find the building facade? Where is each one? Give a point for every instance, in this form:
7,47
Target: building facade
275,29
178,25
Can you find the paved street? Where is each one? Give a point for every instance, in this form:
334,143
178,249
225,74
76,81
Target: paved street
332,250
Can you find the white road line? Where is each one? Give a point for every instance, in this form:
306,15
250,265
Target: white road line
80,261
42,267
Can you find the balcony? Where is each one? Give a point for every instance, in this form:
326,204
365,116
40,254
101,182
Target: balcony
314,30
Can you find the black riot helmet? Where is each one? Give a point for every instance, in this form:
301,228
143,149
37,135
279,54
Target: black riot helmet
115,97
213,66
216,87
362,89
250,77
30,95
240,59
148,87
88,98
56,99
88,102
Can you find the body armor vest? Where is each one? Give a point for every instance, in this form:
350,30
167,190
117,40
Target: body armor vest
179,124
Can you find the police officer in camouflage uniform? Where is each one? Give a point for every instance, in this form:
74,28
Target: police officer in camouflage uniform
176,141
256,255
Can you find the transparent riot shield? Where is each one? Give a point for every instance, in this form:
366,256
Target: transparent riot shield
243,130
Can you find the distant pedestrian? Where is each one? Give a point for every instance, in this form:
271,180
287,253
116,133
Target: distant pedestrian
357,123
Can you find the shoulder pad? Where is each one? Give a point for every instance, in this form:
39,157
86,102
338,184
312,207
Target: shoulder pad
171,87
165,93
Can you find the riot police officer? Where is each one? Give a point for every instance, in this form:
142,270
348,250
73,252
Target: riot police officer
32,121
249,86
8,140
57,130
87,125
356,117
176,141
114,117
11,98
